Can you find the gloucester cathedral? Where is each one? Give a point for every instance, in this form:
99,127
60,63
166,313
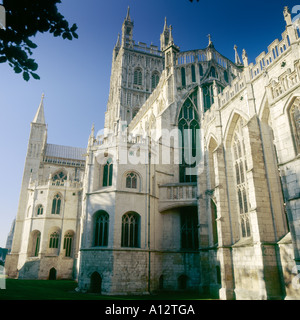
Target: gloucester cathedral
192,185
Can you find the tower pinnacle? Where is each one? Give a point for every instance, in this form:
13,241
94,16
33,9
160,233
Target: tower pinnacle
39,116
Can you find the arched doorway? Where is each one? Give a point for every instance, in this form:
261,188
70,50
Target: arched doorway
96,283
52,274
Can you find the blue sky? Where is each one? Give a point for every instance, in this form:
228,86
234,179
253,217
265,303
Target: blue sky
75,75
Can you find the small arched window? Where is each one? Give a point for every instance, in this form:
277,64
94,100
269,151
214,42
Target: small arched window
108,173
40,210
101,229
154,80
130,230
131,180
56,204
137,77
213,73
68,239
53,242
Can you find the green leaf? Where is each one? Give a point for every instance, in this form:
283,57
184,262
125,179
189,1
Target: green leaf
17,69
75,35
25,75
35,76
74,27
3,59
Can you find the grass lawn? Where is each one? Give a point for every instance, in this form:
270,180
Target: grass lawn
65,290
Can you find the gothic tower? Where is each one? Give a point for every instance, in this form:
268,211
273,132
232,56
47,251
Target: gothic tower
135,72
36,145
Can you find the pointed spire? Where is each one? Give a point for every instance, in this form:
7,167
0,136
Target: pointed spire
40,117
237,58
165,25
128,16
245,58
118,44
210,43
171,36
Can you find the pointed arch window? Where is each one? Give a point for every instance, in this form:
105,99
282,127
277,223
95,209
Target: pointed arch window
131,180
101,229
68,239
56,204
130,230
39,210
53,242
183,81
154,80
193,73
137,77
208,96
35,244
188,125
240,168
200,70
294,114
108,173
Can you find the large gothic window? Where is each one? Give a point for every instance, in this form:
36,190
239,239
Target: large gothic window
101,229
56,204
108,173
130,230
188,125
240,168
53,241
68,240
295,123
189,228
208,96
154,80
137,77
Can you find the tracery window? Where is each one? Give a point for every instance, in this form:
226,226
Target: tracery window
56,204
101,229
154,80
208,96
137,77
130,230
39,210
295,123
108,173
188,125
59,179
68,239
54,237
131,180
240,168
